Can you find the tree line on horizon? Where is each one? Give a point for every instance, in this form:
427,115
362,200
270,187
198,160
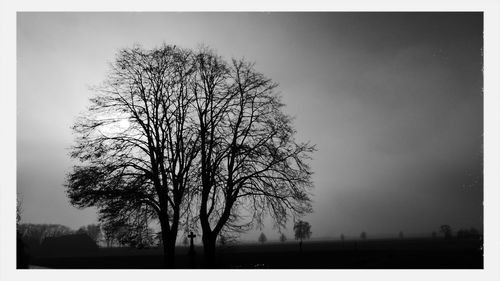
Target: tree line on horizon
35,234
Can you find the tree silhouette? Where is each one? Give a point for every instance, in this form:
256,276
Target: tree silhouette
342,237
34,234
446,230
109,234
174,135
363,235
185,241
135,143
92,230
136,236
42,231
401,235
262,238
282,237
250,165
302,231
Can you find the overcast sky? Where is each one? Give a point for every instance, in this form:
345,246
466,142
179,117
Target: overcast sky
392,101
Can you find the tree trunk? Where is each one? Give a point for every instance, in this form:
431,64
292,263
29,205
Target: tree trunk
169,253
209,249
168,247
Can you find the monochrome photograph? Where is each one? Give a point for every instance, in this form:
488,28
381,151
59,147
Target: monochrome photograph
249,141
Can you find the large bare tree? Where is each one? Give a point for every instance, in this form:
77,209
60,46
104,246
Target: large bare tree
251,166
136,143
185,137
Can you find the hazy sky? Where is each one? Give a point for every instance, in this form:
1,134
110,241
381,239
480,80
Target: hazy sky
392,101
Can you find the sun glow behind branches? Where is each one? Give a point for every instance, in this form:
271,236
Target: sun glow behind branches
113,125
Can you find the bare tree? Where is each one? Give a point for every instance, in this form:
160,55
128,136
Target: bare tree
136,144
92,230
36,233
363,235
251,165
164,111
446,230
302,231
109,234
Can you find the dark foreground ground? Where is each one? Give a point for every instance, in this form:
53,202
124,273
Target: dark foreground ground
370,254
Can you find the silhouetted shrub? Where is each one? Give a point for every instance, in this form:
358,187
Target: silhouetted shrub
363,236
262,238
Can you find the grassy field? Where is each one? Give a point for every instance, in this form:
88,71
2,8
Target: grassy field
369,254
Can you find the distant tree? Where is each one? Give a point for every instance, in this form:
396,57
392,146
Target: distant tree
434,234
136,236
92,230
36,233
282,237
471,233
446,230
109,234
131,231
363,235
185,241
262,238
302,231
342,238
401,235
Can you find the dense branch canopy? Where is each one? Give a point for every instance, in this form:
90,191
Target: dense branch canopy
250,163
186,134
136,142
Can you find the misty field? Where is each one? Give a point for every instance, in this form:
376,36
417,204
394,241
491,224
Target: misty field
369,254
